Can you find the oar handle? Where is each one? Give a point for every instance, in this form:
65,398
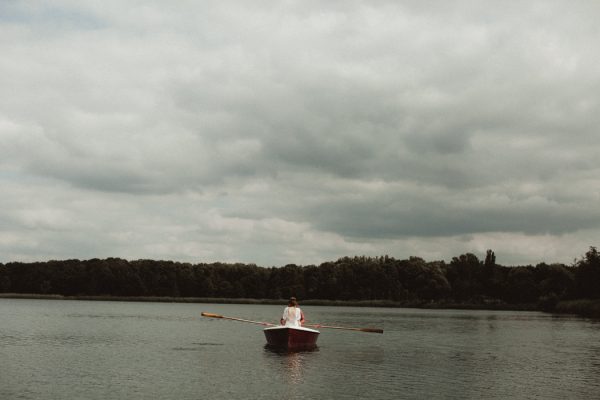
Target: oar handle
211,315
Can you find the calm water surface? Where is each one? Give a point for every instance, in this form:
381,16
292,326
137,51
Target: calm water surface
120,350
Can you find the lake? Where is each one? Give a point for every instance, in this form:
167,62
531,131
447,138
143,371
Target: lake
126,350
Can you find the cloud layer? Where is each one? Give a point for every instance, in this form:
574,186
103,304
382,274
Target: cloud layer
299,131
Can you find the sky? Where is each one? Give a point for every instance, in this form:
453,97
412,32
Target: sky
276,132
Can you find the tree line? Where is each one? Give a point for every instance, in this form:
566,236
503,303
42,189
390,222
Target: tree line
465,279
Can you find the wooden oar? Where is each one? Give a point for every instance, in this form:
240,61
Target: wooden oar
370,330
211,315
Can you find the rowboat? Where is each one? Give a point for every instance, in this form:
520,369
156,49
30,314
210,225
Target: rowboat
291,338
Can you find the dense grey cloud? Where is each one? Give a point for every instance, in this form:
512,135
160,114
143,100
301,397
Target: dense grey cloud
298,131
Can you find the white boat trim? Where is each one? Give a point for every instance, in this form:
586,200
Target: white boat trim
298,328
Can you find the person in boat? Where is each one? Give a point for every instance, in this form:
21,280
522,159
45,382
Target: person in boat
292,314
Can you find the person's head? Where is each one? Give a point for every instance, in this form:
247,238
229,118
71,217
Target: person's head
292,302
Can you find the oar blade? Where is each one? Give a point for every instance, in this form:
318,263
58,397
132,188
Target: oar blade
211,315
372,330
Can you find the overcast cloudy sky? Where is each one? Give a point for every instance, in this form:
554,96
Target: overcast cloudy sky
279,132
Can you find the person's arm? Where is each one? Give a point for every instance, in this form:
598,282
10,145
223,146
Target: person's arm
301,318
282,320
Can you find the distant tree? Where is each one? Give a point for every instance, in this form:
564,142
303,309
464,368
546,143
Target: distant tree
432,283
588,275
555,279
5,284
521,286
464,275
490,259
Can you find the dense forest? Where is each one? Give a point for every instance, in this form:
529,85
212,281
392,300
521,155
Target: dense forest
464,280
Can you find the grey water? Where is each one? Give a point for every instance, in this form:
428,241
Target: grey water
125,350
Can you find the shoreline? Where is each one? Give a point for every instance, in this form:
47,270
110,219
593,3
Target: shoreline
315,302
582,307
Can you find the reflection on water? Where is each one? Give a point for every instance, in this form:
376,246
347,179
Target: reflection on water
281,351
289,363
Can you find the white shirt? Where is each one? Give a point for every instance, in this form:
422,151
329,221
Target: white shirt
292,316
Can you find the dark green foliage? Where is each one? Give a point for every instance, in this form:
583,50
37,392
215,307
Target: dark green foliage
521,285
588,275
490,259
586,307
466,280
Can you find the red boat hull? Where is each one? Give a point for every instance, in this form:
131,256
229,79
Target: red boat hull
291,338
